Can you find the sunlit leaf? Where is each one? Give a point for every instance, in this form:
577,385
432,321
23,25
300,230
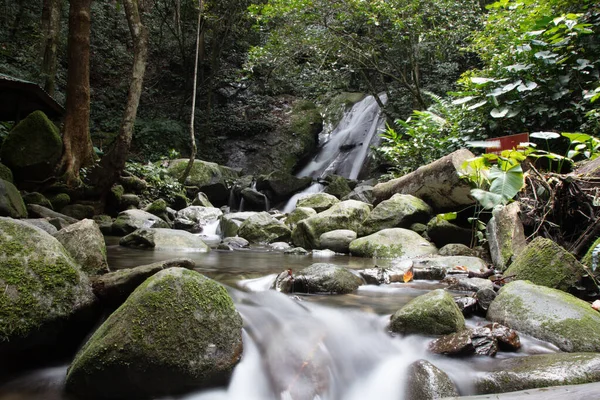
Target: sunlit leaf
447,216
499,113
408,275
576,137
527,86
487,199
462,100
544,135
477,105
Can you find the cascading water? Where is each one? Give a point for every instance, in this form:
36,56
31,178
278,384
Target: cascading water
345,149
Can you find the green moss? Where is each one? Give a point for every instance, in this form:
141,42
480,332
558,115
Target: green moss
37,276
587,259
158,208
11,202
60,200
203,173
37,198
6,173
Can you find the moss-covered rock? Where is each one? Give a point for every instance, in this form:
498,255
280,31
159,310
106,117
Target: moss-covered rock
37,198
113,288
348,214
337,186
130,220
264,228
43,293
318,278
391,243
79,211
545,263
540,371
32,148
338,240
212,179
11,202
505,235
587,259
133,184
318,201
85,243
6,173
129,201
43,224
201,200
230,223
434,313
298,215
59,201
362,193
399,211
282,184
164,239
547,314
158,208
55,218
177,331
427,382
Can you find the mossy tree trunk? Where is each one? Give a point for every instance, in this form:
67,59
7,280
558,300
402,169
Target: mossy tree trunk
190,164
78,151
113,163
51,13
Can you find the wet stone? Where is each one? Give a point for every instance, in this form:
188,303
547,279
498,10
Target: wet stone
508,339
467,305
485,297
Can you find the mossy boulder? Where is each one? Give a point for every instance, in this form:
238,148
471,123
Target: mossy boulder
201,200
338,240
587,259
55,218
129,201
392,243
347,214
541,371
434,313
133,184
79,211
130,220
318,201
545,263
43,224
318,278
282,184
547,314
37,198
59,201
6,173
262,227
11,202
46,299
399,211
298,215
362,193
32,148
85,243
158,208
164,239
428,382
505,235
113,288
337,186
230,223
178,331
212,179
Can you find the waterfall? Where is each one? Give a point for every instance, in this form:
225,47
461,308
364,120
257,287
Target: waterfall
346,148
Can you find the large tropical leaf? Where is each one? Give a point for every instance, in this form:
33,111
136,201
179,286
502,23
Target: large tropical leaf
487,200
506,182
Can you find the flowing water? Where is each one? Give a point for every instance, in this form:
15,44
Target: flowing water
298,347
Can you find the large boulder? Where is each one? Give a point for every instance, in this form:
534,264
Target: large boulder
434,313
337,186
428,382
6,173
347,214
164,239
200,215
318,201
131,220
113,288
85,243
545,263
37,198
338,240
442,233
540,371
438,184
176,332
392,243
318,278
282,184
547,314
36,210
253,200
264,228
32,148
43,224
11,202
46,300
362,193
505,235
298,215
230,223
212,179
400,211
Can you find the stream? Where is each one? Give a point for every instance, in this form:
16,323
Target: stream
329,347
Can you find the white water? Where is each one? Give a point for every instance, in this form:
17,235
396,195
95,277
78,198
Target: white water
345,150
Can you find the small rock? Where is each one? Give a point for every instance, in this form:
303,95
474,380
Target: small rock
296,251
467,305
485,297
508,339
427,382
236,242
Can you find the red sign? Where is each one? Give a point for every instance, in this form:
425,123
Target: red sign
507,142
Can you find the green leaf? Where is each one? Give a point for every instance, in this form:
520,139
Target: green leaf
576,137
477,105
487,199
447,216
506,183
499,112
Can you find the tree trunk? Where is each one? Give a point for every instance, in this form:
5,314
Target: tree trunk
78,151
190,164
113,162
51,13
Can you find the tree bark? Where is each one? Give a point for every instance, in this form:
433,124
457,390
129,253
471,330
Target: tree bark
113,162
51,13
78,151
190,164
